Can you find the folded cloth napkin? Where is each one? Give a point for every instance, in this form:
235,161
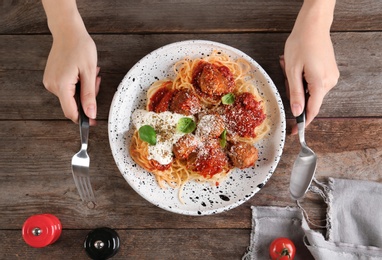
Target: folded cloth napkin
354,224
269,223
354,221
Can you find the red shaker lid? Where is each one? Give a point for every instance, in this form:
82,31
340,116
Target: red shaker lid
41,230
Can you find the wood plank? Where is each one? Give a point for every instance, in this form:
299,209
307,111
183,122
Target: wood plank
35,178
137,244
28,17
359,58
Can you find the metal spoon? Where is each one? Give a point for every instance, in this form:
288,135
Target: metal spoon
305,165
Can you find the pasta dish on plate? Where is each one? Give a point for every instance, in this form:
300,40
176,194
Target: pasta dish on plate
201,124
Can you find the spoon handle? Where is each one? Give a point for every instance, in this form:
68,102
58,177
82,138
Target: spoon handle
301,118
301,127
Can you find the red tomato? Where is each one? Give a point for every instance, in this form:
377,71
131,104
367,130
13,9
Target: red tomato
282,249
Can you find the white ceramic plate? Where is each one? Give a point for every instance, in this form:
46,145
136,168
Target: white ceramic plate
199,199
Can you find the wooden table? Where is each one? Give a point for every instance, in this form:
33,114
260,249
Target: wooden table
37,142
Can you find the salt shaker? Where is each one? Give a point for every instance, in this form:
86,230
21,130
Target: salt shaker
41,230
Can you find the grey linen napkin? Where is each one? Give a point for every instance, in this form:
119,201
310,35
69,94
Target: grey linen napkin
354,221
269,223
354,224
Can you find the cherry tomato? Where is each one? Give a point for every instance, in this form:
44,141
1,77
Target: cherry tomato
282,249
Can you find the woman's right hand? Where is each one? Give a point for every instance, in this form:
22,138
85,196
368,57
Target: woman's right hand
72,58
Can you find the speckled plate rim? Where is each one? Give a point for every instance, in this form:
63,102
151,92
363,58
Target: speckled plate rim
199,198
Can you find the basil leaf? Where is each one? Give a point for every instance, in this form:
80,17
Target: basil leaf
186,125
228,99
223,139
148,134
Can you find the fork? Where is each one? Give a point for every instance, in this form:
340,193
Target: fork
81,160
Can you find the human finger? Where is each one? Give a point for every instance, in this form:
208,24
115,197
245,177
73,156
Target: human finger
98,83
316,96
88,93
282,65
296,91
68,102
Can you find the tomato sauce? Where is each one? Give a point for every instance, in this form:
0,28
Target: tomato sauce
244,115
160,100
160,167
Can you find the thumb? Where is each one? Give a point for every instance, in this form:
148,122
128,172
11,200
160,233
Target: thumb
88,94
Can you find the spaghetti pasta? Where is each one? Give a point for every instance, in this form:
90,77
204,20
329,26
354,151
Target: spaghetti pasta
224,133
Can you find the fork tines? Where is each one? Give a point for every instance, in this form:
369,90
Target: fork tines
84,188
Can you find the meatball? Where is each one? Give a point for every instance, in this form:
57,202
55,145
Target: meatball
208,160
210,126
185,102
243,155
215,80
185,146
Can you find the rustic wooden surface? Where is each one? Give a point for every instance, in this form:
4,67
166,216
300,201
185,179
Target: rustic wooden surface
37,142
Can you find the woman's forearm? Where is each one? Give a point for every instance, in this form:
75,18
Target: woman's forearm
316,13
62,16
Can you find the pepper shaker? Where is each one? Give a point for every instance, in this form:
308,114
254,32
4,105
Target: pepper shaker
102,243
